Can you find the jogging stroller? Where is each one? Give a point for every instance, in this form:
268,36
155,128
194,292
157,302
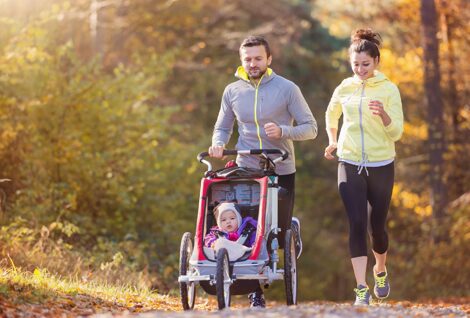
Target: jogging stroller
256,192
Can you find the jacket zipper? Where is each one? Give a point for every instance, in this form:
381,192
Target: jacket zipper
364,159
255,114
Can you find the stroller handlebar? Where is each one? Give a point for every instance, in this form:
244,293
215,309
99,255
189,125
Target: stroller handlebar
232,152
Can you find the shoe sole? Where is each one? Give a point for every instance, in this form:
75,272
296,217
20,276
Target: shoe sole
383,297
363,304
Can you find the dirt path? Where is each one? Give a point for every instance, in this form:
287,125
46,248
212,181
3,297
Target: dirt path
317,309
25,302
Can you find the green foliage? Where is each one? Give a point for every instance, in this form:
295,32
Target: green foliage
440,268
97,154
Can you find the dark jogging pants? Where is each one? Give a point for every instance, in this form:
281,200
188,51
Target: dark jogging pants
362,193
286,205
285,208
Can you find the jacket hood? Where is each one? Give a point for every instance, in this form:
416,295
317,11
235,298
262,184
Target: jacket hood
243,75
375,80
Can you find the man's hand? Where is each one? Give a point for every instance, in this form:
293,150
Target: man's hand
273,131
216,151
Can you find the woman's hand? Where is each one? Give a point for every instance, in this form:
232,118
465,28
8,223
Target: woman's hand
377,108
329,151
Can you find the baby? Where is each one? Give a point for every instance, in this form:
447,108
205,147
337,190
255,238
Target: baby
231,226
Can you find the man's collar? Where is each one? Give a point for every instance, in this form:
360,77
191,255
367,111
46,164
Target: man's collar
243,75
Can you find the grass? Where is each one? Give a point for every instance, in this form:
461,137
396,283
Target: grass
39,287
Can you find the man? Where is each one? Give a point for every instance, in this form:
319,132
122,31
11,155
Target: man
265,106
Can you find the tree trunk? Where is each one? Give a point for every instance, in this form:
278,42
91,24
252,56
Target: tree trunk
96,32
453,98
457,139
435,108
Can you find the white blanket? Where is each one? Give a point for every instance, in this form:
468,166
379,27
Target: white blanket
235,250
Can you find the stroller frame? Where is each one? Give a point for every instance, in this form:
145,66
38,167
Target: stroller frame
223,277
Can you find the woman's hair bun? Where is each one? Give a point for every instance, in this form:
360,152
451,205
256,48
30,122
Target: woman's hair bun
366,34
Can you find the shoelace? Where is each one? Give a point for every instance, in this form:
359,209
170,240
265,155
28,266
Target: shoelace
361,293
380,281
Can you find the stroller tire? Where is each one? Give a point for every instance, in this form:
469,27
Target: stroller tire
290,268
223,279
187,290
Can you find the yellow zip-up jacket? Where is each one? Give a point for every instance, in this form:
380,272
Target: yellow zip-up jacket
363,137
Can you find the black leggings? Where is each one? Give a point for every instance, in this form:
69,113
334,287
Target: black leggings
362,193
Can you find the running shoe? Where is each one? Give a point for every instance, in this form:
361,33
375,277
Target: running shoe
362,296
257,299
382,286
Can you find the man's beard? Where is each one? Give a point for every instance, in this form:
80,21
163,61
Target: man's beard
259,73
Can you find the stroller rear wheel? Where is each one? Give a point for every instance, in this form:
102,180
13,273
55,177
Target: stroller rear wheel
187,290
290,268
223,279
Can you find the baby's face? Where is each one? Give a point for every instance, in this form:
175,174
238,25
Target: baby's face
228,222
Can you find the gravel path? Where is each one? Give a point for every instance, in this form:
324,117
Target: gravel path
316,309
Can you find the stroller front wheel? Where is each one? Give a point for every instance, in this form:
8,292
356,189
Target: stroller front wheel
223,279
290,268
187,290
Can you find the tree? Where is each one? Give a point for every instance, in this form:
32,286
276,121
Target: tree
434,103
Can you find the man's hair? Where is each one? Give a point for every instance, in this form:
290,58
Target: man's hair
256,40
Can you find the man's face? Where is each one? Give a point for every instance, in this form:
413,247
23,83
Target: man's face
255,61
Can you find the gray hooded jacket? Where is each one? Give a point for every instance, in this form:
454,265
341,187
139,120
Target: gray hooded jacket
275,99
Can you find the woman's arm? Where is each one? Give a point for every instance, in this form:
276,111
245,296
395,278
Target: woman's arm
395,111
332,115
377,108
332,143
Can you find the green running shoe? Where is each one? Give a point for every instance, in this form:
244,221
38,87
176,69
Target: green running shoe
382,286
362,296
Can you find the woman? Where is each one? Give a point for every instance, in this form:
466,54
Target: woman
372,122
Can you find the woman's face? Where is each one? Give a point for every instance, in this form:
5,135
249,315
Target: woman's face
363,65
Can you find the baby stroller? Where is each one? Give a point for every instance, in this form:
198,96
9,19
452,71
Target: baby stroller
256,192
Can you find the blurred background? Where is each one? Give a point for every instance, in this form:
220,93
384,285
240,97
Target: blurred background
104,105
